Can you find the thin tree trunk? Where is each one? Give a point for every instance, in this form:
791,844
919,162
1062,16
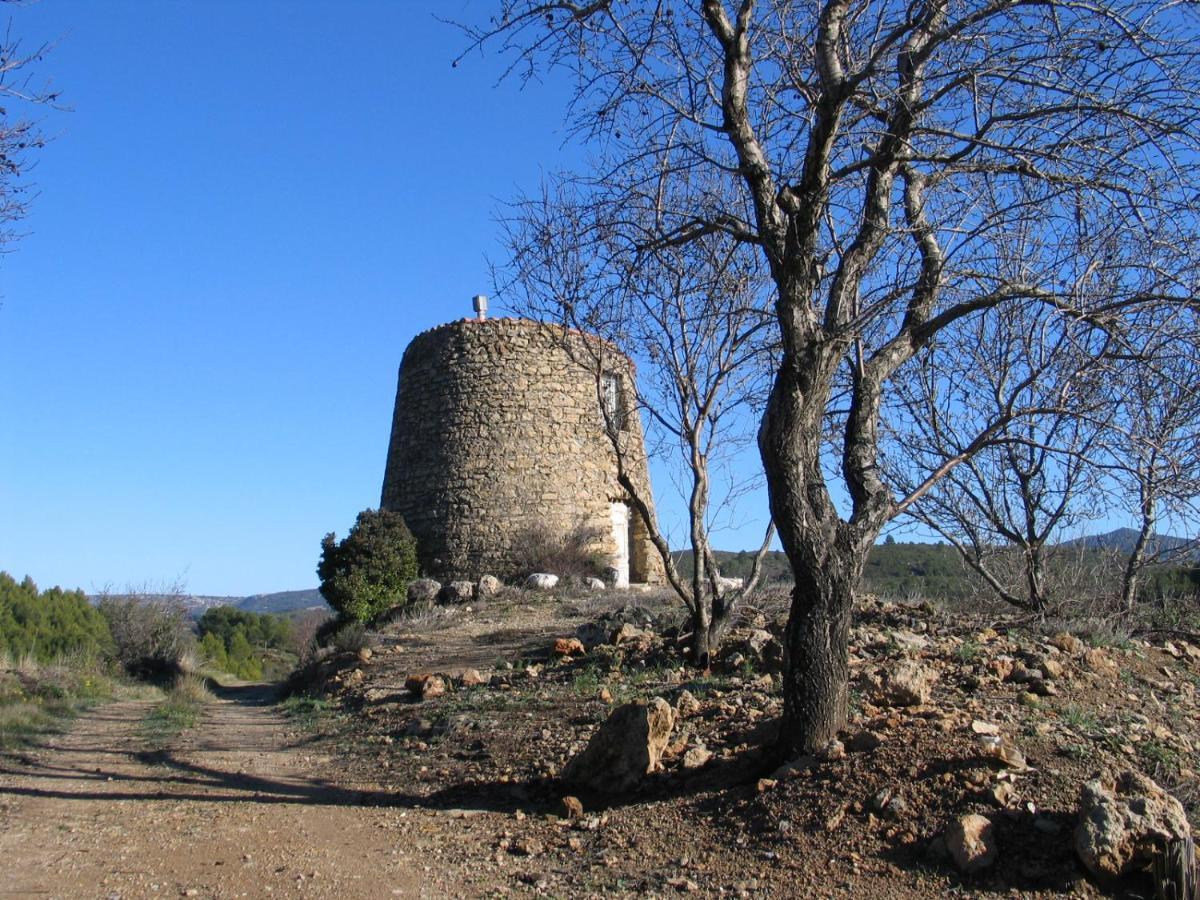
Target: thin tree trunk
1137,556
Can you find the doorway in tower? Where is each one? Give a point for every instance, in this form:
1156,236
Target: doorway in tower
620,535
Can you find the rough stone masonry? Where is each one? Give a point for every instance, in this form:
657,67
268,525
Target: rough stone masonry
499,429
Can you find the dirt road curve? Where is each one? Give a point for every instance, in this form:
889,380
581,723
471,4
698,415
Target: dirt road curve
238,807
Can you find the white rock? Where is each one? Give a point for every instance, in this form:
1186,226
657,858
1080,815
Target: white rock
541,581
423,590
487,586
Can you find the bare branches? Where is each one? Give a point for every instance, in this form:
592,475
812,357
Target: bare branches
19,136
906,171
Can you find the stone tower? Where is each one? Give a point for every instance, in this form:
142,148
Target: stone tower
498,430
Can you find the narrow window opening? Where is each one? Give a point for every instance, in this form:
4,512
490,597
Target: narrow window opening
614,407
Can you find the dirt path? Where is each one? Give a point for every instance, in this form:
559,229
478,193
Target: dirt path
239,806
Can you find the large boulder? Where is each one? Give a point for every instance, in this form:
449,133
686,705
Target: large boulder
908,684
1123,820
625,749
423,591
457,592
488,586
541,581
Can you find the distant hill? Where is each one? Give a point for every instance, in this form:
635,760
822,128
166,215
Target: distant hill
1123,539
281,602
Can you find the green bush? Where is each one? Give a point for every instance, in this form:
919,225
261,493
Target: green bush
369,571
261,630
239,642
50,624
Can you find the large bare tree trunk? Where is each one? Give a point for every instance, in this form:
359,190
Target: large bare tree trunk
825,559
816,645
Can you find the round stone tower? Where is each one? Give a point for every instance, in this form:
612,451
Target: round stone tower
501,430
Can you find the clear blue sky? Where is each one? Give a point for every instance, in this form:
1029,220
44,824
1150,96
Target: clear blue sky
249,211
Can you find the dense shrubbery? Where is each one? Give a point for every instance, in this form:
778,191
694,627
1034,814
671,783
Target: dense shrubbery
233,639
369,571
576,552
49,624
151,633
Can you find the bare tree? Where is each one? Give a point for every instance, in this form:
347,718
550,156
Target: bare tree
19,134
1023,375
693,318
1150,450
880,153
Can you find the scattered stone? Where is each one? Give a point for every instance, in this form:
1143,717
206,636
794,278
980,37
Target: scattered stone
1000,750
605,695
541,581
488,586
907,640
908,684
591,634
1028,698
832,751
364,654
697,757
1022,674
980,727
1003,794
425,686
570,807
683,885
471,678
863,742
686,704
1122,820
971,841
764,648
765,784
625,749
1000,666
528,846
594,584
423,591
1052,669
568,646
1096,660
628,633
835,819
457,592
889,802
1067,643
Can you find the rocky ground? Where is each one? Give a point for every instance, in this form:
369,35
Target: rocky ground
439,766
952,718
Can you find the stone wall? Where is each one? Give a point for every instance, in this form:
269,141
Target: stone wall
498,429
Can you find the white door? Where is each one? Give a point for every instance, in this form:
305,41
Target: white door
620,531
